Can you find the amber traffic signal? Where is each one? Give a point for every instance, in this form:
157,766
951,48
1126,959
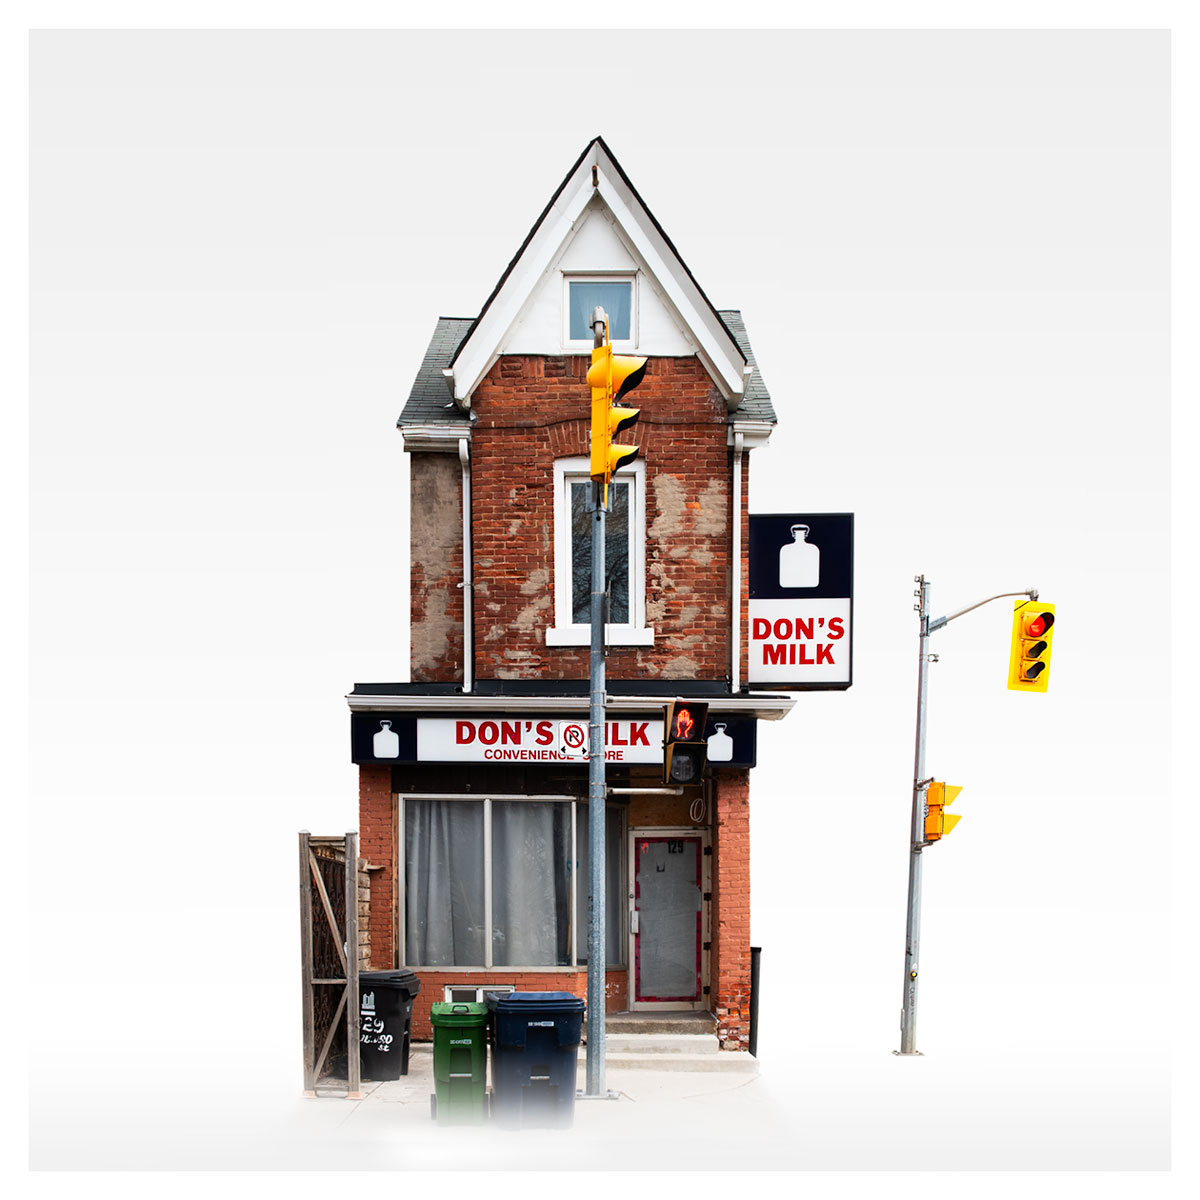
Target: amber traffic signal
938,822
684,745
611,377
1029,652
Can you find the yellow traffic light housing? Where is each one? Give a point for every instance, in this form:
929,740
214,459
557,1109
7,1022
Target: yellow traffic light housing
1029,652
611,376
938,822
685,748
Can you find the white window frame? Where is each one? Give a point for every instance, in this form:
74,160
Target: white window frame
565,632
479,992
620,344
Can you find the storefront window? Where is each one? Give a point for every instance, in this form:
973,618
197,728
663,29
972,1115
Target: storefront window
535,914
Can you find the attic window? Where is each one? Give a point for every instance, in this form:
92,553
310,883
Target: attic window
614,294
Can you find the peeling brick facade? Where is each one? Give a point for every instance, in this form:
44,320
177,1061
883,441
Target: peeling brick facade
530,411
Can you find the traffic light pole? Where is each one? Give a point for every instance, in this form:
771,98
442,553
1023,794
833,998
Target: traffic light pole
917,842
597,842
912,933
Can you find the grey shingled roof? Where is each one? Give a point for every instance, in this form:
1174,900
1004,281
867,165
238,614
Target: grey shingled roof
430,403
756,404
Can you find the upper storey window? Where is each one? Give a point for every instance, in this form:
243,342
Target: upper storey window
624,553
616,294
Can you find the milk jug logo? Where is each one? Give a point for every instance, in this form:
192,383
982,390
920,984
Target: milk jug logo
387,743
800,561
720,745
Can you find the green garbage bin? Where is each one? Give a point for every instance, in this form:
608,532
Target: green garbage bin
459,1063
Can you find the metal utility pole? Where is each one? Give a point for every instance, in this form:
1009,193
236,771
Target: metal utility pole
917,842
596,789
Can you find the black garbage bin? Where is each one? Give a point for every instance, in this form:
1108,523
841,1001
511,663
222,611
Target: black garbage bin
385,1000
535,1053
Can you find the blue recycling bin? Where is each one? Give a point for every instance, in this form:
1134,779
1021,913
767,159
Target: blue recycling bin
535,1055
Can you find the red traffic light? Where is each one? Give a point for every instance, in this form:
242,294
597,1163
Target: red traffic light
1037,625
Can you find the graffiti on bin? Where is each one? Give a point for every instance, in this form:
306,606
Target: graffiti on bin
372,1034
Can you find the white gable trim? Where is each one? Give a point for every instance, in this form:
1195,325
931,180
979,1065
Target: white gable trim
715,348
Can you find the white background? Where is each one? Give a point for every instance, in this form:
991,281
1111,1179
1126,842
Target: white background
952,253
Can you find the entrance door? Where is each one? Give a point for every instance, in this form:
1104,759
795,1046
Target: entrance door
667,919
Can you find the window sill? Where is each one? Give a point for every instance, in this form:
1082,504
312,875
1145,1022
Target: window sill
587,345
614,635
579,970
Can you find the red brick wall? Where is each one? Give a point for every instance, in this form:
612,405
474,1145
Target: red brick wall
731,909
532,410
573,981
377,844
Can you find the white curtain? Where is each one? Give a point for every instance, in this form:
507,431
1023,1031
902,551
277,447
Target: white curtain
443,883
531,877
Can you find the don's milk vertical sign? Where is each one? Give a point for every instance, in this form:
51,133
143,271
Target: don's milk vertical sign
801,599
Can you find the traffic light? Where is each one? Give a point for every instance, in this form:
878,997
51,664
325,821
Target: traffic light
684,744
938,823
1029,654
611,377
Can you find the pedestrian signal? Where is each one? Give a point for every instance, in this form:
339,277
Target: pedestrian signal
684,746
938,822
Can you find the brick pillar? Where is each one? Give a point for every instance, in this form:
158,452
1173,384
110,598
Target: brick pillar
731,910
377,844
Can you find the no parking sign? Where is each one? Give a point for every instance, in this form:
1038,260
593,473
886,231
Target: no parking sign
573,738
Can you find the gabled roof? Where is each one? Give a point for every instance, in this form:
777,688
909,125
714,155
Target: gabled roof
429,405
597,173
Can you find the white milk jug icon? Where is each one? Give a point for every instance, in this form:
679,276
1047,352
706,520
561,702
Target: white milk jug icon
387,743
799,563
720,745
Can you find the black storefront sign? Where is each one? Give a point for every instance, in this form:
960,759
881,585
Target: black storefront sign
801,601
392,737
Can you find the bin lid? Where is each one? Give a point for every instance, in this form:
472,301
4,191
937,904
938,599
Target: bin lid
462,1012
401,978
529,1002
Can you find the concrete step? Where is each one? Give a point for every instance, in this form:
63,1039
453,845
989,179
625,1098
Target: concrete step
726,1062
668,1041
660,1023
660,1043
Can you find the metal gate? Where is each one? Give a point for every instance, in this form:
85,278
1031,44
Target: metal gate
329,957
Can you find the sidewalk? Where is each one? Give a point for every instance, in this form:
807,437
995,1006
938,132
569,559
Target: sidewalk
660,1119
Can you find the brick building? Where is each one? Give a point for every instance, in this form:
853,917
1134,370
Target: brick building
473,800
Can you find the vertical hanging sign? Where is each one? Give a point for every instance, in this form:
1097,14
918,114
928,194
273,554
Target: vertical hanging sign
801,600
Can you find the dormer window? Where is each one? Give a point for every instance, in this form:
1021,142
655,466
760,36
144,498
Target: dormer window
616,294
